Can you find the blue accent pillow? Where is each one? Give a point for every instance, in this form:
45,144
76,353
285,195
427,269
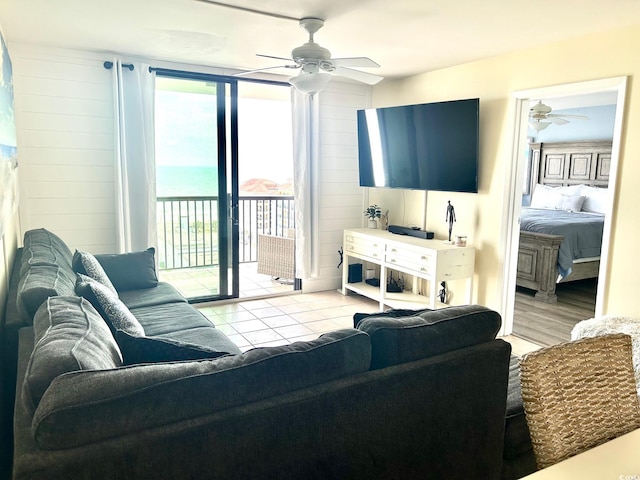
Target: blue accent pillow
131,271
136,349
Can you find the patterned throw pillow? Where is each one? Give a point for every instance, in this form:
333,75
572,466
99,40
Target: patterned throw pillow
86,264
136,349
115,313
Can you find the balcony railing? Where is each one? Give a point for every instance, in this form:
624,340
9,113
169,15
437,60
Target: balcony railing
188,228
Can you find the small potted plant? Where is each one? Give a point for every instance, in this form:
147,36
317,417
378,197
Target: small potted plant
373,212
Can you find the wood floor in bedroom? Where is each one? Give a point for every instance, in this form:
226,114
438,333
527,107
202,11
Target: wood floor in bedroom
549,324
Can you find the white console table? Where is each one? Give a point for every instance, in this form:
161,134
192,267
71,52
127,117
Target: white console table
433,261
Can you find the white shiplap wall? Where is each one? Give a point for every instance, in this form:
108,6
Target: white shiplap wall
341,199
64,119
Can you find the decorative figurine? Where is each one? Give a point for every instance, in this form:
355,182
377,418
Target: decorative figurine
442,294
451,217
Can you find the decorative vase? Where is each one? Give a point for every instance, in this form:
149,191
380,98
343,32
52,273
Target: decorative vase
373,223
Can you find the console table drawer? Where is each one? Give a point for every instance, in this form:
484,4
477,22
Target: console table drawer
364,246
457,263
418,260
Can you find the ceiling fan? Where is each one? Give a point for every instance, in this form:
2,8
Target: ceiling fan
540,117
316,65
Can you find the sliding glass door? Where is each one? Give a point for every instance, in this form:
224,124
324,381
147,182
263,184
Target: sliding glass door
197,186
224,163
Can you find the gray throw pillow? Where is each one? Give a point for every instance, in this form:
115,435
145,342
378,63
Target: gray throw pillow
131,271
156,349
86,264
69,335
115,313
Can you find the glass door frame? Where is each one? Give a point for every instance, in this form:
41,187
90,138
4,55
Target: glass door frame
228,202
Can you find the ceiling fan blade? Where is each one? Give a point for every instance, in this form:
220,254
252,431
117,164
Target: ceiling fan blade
567,115
363,77
361,62
249,72
277,58
557,120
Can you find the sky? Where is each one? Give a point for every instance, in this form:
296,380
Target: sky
186,127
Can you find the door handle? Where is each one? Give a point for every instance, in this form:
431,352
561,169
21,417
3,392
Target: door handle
233,209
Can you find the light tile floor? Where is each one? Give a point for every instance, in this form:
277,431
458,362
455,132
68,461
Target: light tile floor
204,281
285,319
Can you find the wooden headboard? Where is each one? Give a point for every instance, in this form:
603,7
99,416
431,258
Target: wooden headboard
570,163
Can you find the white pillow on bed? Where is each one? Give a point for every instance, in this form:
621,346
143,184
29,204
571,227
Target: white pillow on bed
596,199
571,203
571,189
545,197
557,198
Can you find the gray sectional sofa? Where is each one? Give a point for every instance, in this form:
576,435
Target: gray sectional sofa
122,378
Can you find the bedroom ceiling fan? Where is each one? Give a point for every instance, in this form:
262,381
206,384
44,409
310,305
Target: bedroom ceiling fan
540,117
316,65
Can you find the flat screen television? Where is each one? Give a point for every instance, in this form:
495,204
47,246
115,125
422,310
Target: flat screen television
430,146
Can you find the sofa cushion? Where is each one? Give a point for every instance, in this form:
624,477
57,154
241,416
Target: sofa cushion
158,349
161,294
84,407
42,236
40,282
114,312
130,271
42,247
86,264
164,320
69,335
405,339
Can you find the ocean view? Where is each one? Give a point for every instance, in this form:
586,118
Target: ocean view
174,181
194,181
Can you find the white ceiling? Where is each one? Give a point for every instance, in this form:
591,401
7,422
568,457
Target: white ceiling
405,37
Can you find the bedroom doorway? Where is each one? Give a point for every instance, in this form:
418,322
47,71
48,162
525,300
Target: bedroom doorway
517,187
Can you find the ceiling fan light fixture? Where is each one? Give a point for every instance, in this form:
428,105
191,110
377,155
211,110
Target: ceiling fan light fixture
537,125
309,83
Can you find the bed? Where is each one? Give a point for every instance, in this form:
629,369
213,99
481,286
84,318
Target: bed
561,232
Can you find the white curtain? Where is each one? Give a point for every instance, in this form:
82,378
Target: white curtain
135,157
305,172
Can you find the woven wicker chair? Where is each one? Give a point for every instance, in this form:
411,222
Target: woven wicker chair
578,395
276,255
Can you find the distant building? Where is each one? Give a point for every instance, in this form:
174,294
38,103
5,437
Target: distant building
258,186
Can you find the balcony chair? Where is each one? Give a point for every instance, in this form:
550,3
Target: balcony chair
276,256
578,395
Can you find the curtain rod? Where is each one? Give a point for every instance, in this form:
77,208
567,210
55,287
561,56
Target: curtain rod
165,72
109,65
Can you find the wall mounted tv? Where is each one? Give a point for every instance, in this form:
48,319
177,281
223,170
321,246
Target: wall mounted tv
431,146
